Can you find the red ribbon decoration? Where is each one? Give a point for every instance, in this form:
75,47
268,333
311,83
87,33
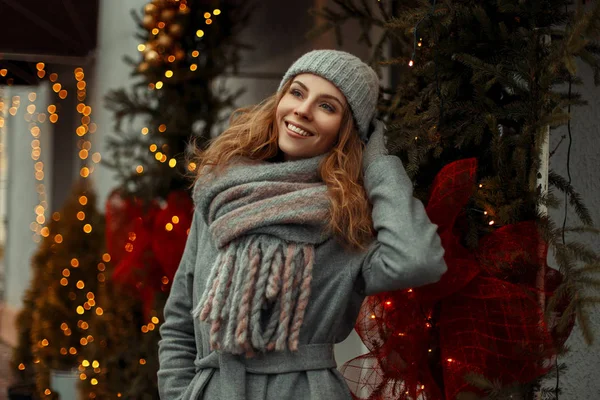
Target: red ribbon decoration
487,309
146,241
168,245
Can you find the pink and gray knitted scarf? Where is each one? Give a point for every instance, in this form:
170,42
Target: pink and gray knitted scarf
265,220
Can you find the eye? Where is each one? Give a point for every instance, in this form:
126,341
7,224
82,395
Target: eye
295,93
328,107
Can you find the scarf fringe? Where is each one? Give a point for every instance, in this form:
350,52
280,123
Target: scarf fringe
250,277
265,219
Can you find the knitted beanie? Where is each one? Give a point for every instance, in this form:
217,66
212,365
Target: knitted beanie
355,79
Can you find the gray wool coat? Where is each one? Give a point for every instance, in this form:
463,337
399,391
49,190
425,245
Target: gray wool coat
406,253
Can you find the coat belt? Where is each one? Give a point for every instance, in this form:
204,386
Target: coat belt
233,368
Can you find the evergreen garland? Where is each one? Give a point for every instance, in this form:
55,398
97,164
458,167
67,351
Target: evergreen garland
486,79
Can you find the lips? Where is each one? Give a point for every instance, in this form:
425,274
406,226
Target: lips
297,129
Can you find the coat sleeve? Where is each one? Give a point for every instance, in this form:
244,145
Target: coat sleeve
177,347
407,251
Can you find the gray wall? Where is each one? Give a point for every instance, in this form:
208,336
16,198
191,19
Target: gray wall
115,40
581,381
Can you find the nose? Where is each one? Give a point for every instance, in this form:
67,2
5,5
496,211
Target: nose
302,110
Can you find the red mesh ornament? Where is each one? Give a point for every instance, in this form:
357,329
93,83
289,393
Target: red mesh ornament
129,242
490,306
170,230
495,329
451,190
390,326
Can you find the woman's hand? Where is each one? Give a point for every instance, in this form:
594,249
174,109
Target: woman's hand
376,146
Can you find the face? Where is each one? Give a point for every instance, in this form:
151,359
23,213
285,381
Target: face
308,117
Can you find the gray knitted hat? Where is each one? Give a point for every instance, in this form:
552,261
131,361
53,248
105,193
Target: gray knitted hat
355,79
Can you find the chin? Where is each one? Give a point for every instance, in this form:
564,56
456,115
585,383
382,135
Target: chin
292,155
289,150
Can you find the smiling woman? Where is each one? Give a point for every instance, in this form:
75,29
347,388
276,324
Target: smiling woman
296,221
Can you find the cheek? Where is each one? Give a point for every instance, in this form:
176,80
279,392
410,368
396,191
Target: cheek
334,129
282,108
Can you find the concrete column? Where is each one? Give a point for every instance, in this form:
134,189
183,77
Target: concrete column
116,29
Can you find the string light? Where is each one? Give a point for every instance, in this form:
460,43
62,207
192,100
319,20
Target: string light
36,154
86,169
34,117
40,68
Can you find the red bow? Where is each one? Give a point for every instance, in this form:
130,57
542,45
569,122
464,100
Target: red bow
146,241
487,311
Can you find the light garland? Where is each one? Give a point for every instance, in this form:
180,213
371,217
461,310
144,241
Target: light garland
3,112
163,50
89,159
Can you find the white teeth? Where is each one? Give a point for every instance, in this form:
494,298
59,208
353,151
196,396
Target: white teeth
298,130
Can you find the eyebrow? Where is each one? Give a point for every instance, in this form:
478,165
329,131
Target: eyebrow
327,96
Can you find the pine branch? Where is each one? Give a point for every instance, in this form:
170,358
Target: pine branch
578,251
574,198
585,325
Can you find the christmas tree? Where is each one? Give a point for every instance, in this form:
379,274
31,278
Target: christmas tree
186,46
476,88
69,266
